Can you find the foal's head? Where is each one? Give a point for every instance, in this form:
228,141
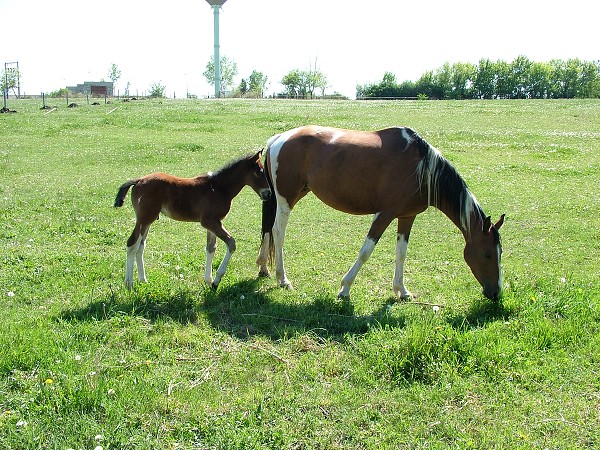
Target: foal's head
256,177
482,253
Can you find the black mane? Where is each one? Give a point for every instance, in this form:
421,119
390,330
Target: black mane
444,184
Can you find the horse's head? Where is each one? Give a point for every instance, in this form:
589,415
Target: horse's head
257,178
482,253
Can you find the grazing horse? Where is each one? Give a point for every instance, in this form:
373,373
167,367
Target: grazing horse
391,173
205,199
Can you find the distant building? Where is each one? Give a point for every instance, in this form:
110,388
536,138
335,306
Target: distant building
93,88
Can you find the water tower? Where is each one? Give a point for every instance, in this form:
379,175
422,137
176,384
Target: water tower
216,6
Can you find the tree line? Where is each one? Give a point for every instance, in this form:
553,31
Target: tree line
520,78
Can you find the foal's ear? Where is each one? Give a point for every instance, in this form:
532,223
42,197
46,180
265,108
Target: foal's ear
498,224
259,153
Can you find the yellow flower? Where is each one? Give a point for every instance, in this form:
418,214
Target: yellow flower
49,381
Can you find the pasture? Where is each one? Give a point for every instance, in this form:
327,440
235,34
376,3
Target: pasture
173,364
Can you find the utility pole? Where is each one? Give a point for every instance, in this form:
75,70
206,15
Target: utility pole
216,6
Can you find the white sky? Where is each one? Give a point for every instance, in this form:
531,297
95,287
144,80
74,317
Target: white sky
65,42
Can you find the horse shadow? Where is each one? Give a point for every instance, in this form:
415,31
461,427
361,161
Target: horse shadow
243,309
480,313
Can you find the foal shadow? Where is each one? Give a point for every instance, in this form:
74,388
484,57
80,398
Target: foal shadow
181,306
243,309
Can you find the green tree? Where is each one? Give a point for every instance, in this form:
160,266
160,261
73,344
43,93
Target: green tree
257,83
540,75
243,87
462,80
11,79
114,74
294,84
157,90
228,69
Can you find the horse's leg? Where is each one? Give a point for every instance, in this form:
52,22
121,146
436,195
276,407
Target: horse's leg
281,220
404,227
380,223
211,246
216,227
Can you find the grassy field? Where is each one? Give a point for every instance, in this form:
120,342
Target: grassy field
175,365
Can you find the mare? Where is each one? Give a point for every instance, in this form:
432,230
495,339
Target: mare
205,199
391,173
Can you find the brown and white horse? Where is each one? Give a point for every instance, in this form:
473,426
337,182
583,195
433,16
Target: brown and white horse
391,173
205,199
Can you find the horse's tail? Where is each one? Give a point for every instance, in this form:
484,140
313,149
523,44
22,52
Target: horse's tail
123,192
269,207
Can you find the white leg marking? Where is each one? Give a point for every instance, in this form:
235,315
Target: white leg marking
363,256
281,220
135,252
398,283
208,279
223,266
140,261
131,251
283,208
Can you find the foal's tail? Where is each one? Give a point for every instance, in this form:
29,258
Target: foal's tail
123,192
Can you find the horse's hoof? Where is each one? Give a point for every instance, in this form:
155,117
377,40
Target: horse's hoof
344,297
263,274
286,285
214,286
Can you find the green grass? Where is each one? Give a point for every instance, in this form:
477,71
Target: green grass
176,365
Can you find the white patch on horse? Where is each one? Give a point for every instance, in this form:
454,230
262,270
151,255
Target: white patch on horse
407,137
499,250
336,135
274,145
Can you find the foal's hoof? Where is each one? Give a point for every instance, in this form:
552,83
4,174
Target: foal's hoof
214,286
263,274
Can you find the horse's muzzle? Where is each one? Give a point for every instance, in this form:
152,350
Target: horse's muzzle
494,295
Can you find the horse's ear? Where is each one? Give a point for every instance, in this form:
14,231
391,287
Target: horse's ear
487,224
259,154
498,224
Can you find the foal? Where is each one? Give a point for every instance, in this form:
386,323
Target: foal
205,199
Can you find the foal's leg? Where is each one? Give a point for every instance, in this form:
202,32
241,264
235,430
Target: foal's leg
263,256
216,228
135,252
211,246
380,223
404,226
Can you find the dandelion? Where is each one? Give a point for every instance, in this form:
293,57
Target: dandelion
111,392
98,437
49,381
10,293
21,424
98,447
77,357
563,280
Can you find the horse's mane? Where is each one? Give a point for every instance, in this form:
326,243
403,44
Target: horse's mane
224,171
444,184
